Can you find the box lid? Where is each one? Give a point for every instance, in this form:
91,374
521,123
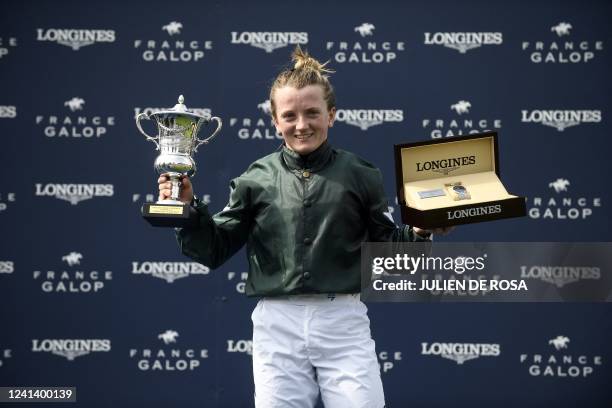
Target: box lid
432,159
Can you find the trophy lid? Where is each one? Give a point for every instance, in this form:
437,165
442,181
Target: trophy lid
180,106
180,109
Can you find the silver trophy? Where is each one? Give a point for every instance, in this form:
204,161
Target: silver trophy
177,141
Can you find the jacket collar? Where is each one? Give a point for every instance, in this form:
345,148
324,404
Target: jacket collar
313,161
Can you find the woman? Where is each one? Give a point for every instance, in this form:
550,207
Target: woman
303,212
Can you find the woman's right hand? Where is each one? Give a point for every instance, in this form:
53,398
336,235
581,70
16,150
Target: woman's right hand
165,188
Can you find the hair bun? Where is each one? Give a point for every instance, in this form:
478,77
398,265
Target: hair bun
303,60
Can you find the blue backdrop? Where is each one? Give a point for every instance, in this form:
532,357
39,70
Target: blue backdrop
93,297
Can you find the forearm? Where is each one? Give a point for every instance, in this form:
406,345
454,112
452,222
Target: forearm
209,243
406,233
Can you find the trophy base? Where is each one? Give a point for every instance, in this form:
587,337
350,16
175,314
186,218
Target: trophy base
173,214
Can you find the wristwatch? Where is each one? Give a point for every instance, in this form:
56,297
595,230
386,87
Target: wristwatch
461,192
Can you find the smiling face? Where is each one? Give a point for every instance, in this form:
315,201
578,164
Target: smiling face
302,117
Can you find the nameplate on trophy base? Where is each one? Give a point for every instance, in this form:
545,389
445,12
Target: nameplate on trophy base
170,215
454,181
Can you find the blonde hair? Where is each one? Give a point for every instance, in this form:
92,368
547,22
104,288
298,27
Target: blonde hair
306,71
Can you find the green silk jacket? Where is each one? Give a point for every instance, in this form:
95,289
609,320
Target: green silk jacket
303,219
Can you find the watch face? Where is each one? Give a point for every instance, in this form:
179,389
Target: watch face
459,189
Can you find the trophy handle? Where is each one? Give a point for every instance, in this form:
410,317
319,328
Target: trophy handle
150,138
204,141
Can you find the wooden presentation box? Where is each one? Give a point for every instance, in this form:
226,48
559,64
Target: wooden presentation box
453,181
